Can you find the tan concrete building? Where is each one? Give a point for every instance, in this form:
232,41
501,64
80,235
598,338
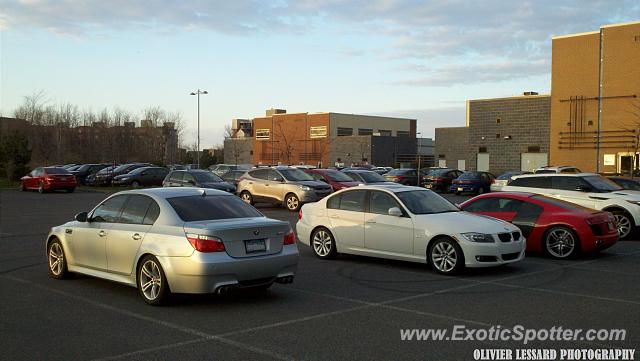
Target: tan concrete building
595,104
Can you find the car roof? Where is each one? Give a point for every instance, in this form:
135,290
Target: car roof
556,175
359,171
506,194
170,192
394,188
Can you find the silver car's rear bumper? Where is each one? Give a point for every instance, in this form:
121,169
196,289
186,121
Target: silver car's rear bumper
205,272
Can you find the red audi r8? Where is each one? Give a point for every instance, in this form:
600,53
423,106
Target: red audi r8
555,227
47,179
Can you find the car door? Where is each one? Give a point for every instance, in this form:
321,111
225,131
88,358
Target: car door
385,234
567,189
126,235
89,240
256,183
274,185
346,215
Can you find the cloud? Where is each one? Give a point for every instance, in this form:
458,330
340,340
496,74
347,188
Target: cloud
438,42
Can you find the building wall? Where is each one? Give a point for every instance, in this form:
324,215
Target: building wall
357,121
523,120
452,145
238,151
574,104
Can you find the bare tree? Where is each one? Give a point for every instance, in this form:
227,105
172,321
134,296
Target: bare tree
236,145
285,143
32,108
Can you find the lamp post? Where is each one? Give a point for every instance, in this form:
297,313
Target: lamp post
418,155
198,92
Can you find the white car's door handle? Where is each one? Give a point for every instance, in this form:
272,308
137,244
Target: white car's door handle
333,216
136,236
370,222
102,233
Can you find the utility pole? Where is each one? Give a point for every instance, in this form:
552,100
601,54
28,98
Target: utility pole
198,92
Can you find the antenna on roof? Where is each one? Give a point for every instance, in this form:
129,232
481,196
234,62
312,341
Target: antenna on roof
204,192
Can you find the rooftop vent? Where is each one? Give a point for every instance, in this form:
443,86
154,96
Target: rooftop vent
529,93
273,111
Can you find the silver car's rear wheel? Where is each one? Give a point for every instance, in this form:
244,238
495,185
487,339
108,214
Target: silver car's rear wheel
445,256
560,242
152,284
323,244
57,261
246,197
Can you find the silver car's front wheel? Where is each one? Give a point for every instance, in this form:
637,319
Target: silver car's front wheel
292,202
323,244
445,256
246,197
57,261
152,284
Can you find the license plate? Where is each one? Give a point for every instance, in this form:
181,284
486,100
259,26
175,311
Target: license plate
460,189
255,245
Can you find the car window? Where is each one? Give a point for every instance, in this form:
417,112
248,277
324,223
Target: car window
206,177
176,176
109,211
135,209
602,184
380,202
483,205
188,177
260,173
295,175
334,202
152,213
570,170
425,202
274,176
352,201
317,176
560,203
199,208
532,182
567,183
353,176
338,176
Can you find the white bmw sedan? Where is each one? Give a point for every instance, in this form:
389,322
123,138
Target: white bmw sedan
407,223
182,240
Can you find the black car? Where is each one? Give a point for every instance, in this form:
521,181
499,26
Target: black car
197,178
440,179
233,176
86,170
365,176
406,176
626,183
145,176
104,179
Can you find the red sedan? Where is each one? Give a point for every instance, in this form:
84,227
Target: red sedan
555,227
336,179
47,179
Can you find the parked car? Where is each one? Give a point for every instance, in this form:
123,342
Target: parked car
45,179
82,172
281,185
105,179
554,169
233,176
74,167
66,166
182,240
626,183
405,176
90,180
504,179
472,182
551,226
336,179
176,167
221,169
145,176
197,178
440,179
192,166
366,176
407,223
588,190
382,170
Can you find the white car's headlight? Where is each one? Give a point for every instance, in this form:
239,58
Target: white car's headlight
478,237
305,188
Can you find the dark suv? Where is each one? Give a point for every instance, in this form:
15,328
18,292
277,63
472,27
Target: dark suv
197,178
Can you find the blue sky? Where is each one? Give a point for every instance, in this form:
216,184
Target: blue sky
419,59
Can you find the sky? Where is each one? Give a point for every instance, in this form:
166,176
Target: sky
414,59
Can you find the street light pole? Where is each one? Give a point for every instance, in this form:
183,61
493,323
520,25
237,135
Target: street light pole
418,154
198,92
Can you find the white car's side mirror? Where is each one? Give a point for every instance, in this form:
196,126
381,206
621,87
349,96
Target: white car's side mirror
395,211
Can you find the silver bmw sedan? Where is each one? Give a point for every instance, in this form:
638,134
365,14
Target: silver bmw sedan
175,240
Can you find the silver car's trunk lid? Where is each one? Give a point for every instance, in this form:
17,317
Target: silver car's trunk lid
244,237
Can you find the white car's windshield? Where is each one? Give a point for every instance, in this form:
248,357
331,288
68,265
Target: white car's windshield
602,184
425,202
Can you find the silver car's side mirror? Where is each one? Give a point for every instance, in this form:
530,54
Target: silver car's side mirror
395,211
81,217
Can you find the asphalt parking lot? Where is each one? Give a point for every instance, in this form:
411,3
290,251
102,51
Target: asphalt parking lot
348,308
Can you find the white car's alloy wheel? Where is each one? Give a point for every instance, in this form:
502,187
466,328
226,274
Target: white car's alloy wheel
56,259
560,242
444,256
624,224
322,243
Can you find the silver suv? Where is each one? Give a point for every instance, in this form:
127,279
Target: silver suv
282,185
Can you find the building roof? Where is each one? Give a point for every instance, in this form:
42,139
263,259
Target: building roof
596,31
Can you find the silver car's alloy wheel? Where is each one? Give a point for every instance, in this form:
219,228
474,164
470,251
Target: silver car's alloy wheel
322,243
292,203
624,224
444,257
560,243
56,259
150,280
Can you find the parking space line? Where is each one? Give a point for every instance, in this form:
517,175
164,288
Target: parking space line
190,331
605,271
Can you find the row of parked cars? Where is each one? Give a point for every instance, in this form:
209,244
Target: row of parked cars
189,238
